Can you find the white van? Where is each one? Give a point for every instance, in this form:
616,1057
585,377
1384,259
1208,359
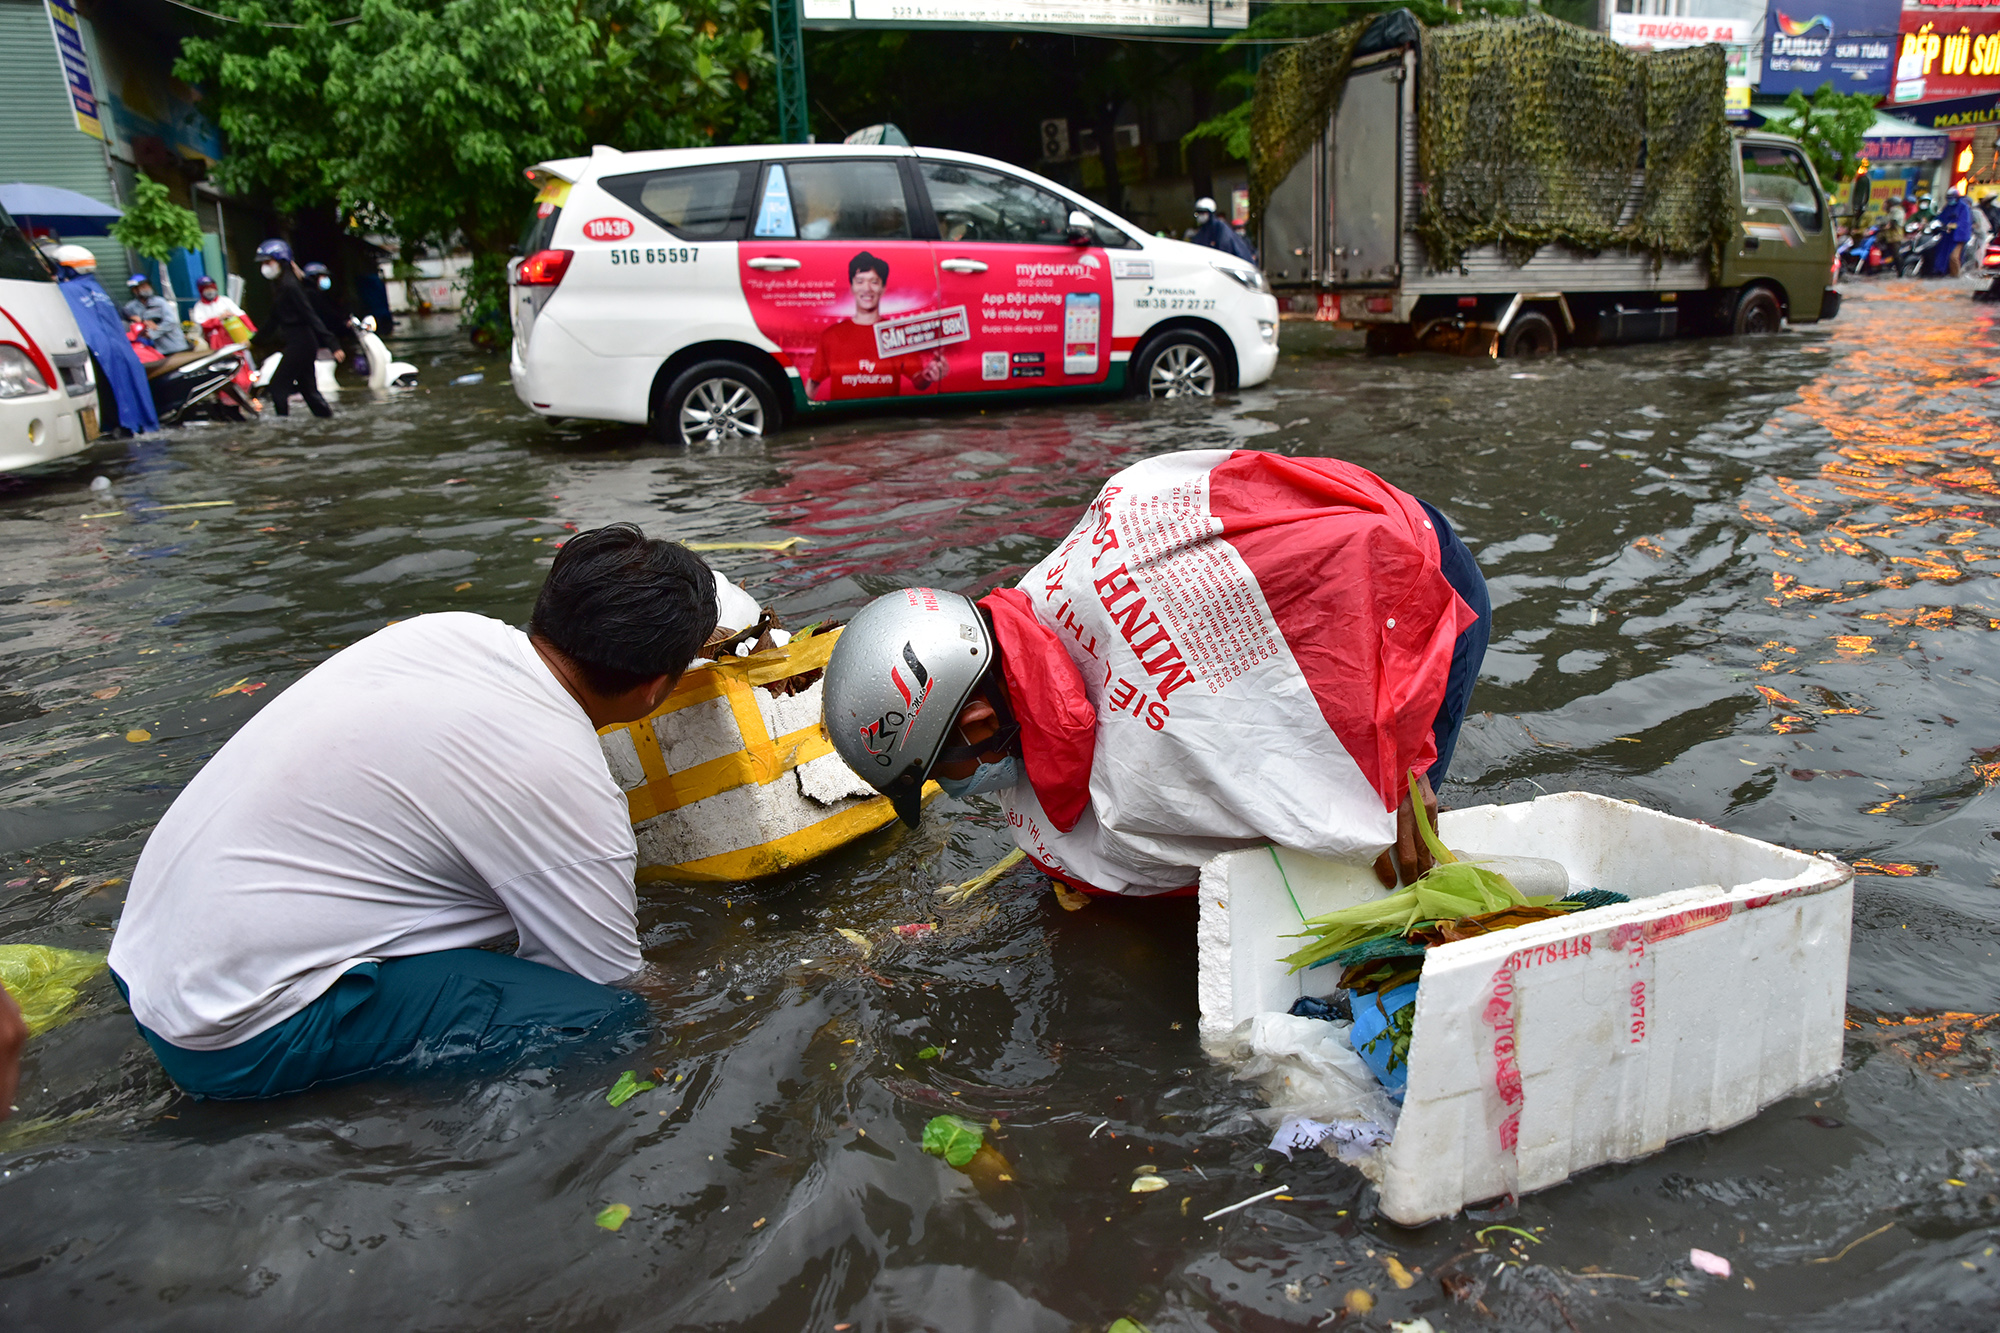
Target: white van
48,393
714,292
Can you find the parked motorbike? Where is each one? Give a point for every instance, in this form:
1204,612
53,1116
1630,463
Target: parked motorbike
1865,255
1921,240
374,364
199,383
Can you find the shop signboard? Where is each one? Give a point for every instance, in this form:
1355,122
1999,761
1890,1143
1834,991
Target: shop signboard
1848,43
1665,31
1068,15
68,31
1947,54
1957,113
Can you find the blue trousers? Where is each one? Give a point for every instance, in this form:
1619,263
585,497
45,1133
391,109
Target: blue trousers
1461,571
449,1010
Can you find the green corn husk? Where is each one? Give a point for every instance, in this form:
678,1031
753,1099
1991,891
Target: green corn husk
1450,889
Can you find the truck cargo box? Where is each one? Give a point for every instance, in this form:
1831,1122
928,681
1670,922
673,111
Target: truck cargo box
1545,1050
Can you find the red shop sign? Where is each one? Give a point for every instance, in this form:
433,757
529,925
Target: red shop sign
1946,54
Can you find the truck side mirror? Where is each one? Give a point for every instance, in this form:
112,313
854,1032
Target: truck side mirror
1081,231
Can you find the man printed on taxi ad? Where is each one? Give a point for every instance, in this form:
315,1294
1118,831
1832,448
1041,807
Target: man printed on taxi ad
847,365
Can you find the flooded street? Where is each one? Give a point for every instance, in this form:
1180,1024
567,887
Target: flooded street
1748,582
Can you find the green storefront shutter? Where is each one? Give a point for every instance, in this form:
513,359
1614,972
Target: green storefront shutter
42,144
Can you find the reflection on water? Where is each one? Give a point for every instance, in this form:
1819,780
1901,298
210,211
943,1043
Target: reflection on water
1743,582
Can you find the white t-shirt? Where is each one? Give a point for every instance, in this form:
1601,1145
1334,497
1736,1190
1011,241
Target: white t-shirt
432,787
220,308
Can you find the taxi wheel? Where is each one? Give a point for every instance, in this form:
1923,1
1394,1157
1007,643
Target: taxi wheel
716,400
1181,364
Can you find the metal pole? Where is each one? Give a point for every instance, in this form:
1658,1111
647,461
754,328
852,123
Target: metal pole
789,48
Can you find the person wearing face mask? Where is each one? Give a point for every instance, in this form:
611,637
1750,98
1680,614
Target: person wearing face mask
1211,230
1231,648
319,289
303,331
157,313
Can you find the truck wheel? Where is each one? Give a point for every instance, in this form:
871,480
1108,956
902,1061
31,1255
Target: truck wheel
1531,334
1757,312
715,400
1180,364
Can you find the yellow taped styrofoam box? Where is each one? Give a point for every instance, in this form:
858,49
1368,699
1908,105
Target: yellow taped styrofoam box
727,781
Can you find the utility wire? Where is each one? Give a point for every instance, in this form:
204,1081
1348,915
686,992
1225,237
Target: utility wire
256,23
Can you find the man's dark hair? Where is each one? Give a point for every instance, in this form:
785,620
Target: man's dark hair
625,607
865,262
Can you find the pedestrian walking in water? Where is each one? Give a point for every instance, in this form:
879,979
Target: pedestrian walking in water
303,332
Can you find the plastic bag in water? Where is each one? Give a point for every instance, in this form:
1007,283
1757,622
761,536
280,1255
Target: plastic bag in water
44,981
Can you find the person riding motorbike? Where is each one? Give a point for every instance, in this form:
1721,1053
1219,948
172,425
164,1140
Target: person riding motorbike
161,320
224,324
303,332
1215,232
1957,219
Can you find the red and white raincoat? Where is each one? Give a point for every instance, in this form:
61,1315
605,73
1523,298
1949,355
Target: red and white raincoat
1230,648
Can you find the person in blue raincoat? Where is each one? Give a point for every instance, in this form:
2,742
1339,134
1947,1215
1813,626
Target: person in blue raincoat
103,329
1957,220
1213,231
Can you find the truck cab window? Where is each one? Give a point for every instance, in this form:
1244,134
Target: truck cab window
834,201
1776,177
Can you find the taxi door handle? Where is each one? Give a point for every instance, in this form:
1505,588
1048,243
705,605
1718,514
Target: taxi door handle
962,266
772,264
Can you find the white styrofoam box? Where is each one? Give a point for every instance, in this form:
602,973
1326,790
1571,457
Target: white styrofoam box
1551,1048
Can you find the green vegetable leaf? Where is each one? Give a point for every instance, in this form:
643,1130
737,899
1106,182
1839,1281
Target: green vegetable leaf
628,1086
930,1053
1128,1326
614,1217
957,1141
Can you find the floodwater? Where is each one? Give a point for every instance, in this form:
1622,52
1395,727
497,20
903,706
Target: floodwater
1748,582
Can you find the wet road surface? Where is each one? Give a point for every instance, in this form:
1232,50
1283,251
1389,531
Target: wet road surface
1746,582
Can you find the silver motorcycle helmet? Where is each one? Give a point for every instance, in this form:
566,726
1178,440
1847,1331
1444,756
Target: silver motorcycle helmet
899,675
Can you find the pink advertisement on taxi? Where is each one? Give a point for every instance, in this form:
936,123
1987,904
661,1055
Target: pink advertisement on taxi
897,318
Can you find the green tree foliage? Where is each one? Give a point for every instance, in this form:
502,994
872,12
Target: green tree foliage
1296,22
155,225
1831,128
420,116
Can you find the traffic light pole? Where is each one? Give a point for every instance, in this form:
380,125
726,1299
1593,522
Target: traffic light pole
789,48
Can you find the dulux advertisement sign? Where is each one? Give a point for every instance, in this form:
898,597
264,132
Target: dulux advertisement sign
1848,43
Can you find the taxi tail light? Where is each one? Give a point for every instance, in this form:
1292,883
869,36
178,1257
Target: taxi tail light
544,268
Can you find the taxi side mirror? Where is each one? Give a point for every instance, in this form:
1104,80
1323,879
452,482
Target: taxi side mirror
1081,230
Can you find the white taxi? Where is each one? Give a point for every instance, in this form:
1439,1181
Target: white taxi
715,292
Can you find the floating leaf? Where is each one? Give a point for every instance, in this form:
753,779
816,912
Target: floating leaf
954,1139
614,1217
1148,1184
855,938
138,735
930,1053
628,1086
1128,1326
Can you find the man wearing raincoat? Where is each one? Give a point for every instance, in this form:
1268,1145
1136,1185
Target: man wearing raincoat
103,329
1231,648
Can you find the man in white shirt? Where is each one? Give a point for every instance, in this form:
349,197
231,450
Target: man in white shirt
307,910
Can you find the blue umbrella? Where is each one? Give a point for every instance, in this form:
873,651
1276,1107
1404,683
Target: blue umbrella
60,210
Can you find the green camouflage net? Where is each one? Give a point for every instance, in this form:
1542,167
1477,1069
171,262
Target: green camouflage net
1531,131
